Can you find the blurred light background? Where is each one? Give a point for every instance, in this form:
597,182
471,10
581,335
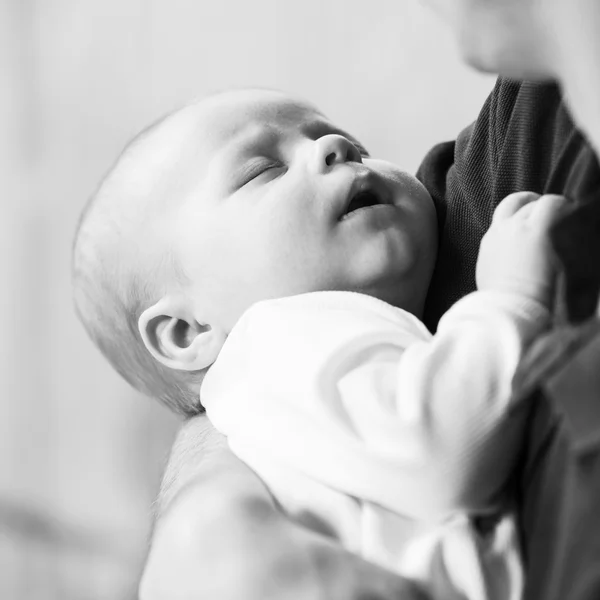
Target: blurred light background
81,454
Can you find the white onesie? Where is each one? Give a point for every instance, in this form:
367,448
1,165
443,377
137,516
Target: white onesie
386,437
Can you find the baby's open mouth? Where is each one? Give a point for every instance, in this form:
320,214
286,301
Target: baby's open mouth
362,199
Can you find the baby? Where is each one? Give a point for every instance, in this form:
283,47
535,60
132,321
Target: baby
247,246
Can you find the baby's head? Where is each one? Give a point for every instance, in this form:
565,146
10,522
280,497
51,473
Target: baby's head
244,196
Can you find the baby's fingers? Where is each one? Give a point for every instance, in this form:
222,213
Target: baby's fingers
513,203
548,209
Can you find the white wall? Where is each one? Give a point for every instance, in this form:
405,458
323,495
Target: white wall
80,453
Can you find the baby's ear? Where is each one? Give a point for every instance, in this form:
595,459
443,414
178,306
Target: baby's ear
176,339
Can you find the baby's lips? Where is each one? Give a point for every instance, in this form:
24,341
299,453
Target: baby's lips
367,182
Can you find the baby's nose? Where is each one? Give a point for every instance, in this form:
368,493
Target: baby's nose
334,149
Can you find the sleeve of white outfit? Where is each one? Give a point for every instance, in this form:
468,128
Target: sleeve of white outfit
442,414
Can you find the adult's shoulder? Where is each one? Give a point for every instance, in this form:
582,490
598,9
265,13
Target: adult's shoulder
513,142
522,139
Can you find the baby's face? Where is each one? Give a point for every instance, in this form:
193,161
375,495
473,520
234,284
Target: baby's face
282,202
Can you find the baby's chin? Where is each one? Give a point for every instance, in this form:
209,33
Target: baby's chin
406,285
401,287
399,297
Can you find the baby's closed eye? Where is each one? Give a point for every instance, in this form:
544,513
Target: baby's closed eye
256,168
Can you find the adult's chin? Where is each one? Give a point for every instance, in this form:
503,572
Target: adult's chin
507,47
507,65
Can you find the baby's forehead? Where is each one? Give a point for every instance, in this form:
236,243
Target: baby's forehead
229,115
260,102
196,137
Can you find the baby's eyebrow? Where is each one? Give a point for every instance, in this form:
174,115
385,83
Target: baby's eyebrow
240,149
252,137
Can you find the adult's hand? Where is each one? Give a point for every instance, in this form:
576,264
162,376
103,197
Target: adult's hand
221,537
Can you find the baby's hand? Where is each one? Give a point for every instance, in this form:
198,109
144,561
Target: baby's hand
515,253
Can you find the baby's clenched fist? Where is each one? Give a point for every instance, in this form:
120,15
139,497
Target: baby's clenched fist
515,254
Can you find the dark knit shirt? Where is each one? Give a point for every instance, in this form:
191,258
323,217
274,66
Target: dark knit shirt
523,140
